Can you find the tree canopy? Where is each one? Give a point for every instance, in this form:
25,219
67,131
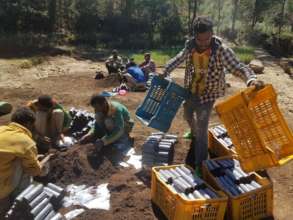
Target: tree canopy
140,23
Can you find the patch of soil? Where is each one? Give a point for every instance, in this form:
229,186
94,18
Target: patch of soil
129,200
81,165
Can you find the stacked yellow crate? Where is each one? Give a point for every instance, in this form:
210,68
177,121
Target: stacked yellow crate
179,205
250,195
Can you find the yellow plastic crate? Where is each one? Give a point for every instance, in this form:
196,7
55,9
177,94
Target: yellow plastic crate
217,148
175,207
253,205
257,128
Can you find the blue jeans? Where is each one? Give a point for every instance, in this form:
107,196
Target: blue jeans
105,125
197,116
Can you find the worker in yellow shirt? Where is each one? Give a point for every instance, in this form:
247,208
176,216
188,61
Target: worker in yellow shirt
18,157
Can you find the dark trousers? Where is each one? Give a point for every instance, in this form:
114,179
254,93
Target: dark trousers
190,157
197,115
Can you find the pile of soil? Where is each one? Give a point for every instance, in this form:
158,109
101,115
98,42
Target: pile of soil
129,188
130,199
82,165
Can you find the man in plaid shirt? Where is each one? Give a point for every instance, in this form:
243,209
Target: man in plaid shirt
148,66
207,61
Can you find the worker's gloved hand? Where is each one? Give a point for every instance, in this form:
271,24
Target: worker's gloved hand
258,84
99,144
45,169
86,139
61,137
82,140
45,139
45,165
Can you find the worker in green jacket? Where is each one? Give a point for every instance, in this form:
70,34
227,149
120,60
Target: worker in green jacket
113,124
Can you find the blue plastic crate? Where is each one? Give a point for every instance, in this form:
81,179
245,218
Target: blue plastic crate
161,104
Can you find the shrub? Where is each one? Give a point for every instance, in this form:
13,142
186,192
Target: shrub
245,54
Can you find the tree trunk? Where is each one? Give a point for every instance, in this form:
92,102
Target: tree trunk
110,8
192,12
189,19
195,6
234,14
52,15
254,15
128,8
281,23
219,15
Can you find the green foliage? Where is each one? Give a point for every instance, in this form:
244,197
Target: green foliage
245,54
86,16
287,35
160,56
286,43
171,29
134,24
33,61
19,15
253,12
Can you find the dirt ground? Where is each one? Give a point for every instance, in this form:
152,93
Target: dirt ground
71,82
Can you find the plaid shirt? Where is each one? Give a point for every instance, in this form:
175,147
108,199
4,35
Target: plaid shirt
148,67
117,61
221,60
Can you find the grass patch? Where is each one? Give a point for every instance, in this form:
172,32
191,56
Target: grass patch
31,62
244,54
161,57
287,35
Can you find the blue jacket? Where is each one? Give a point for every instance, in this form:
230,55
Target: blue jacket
136,73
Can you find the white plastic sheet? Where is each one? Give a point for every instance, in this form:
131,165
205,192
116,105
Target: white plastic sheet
66,142
134,160
72,214
93,197
123,164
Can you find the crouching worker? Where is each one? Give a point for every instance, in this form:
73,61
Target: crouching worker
112,127
134,77
114,63
18,157
51,121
